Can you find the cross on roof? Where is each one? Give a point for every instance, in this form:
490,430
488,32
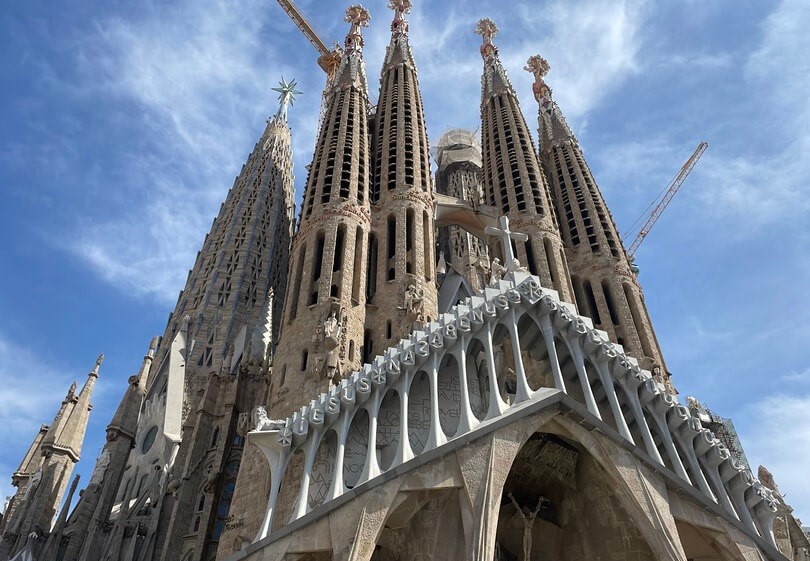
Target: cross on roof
506,236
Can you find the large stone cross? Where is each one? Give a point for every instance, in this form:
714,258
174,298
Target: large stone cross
506,236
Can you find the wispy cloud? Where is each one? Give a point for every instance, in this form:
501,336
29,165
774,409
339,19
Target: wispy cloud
186,87
775,432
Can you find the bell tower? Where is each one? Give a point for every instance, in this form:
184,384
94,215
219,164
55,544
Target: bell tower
513,179
401,271
605,287
325,309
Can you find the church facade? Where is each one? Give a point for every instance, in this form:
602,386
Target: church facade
458,366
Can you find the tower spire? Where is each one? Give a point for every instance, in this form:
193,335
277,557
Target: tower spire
513,178
605,287
401,7
358,17
553,128
401,288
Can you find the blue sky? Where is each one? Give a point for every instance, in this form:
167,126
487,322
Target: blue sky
124,125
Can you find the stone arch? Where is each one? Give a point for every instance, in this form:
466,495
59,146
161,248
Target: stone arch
535,353
478,377
560,503
289,490
424,525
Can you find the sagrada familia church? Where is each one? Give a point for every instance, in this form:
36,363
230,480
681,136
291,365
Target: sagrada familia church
450,365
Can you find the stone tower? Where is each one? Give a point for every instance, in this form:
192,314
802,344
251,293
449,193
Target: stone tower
513,179
401,286
84,534
605,287
170,482
458,155
325,311
60,449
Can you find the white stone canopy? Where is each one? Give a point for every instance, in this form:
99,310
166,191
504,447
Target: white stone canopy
448,382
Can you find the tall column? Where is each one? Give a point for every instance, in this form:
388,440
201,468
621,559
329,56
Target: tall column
513,179
401,286
605,287
325,309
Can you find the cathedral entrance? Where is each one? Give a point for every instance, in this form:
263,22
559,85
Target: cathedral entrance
557,504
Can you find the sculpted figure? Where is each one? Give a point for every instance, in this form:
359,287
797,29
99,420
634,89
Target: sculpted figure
517,267
414,297
264,423
497,272
528,522
331,328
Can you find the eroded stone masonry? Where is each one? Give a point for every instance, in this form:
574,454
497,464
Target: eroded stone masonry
457,366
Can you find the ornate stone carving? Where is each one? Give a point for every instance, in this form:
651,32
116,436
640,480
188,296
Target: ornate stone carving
497,272
263,423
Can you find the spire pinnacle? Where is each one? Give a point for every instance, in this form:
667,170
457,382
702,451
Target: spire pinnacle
99,360
539,66
286,97
553,126
358,17
487,29
401,7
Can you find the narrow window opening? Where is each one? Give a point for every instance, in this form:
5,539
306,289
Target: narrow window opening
591,302
304,358
358,264
371,272
614,317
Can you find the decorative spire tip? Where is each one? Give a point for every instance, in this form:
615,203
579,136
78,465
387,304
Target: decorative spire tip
99,360
286,96
539,66
400,7
358,17
487,29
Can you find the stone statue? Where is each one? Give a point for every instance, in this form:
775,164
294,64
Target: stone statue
528,522
517,267
414,298
496,272
72,389
331,327
263,423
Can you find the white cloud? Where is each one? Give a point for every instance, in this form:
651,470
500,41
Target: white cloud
775,434
592,46
197,86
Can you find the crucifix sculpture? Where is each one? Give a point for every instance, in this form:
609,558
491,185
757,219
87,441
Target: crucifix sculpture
506,236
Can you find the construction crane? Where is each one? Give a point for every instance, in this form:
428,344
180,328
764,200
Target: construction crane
328,59
669,193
